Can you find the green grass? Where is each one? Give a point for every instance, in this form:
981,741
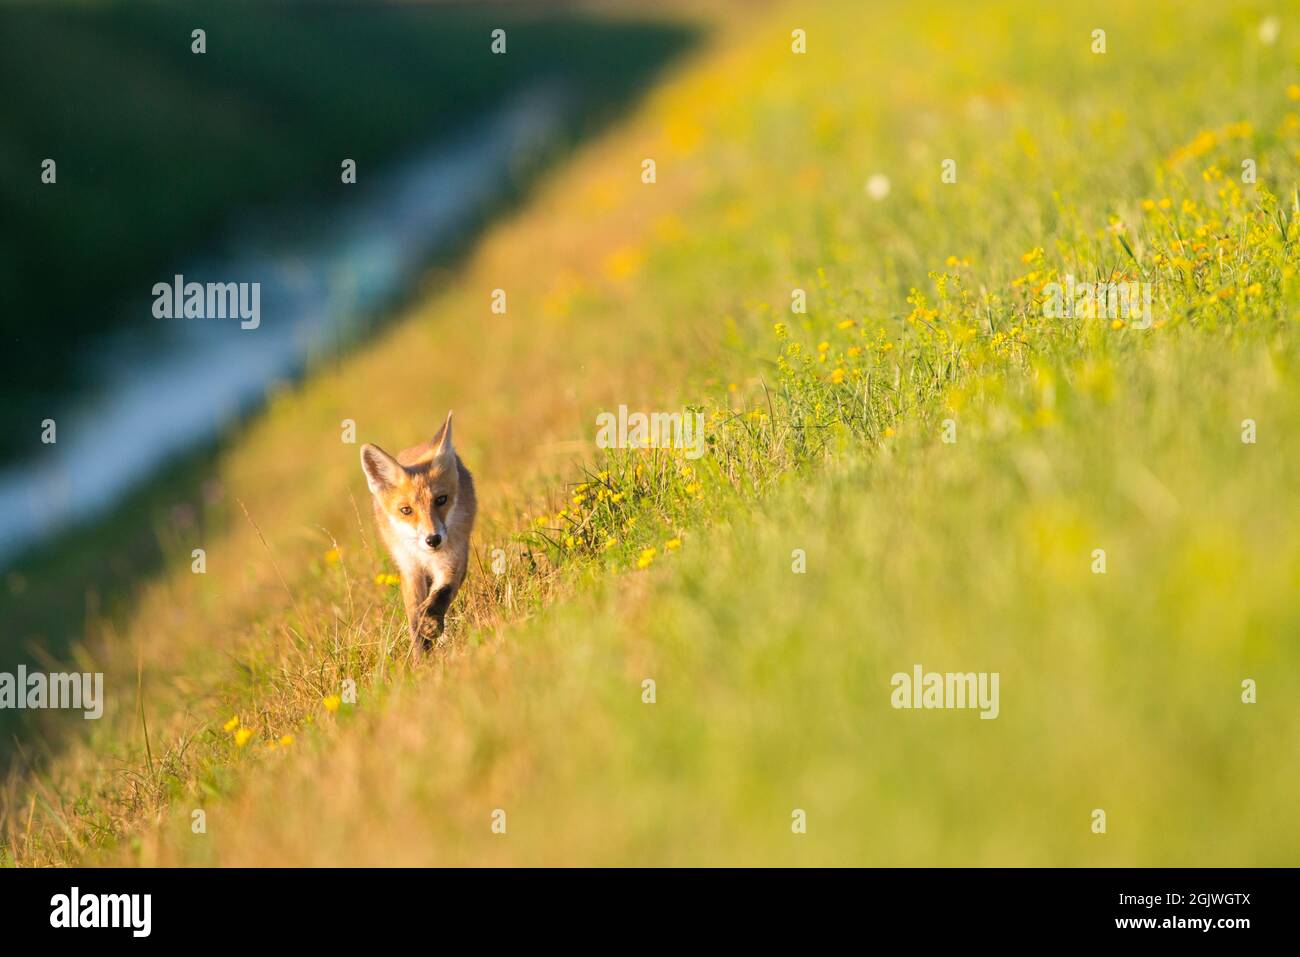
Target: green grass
1120,691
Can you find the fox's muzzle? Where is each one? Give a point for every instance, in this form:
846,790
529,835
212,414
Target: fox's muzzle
437,535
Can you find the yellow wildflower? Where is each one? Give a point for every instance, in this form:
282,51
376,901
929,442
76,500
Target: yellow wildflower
623,263
332,703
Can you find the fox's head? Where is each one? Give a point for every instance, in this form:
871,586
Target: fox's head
417,497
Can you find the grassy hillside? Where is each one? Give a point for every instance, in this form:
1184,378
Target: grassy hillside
1121,691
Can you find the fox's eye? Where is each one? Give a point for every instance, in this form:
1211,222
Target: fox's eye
405,510
440,501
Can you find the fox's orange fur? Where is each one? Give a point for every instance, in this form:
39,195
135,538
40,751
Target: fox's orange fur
424,507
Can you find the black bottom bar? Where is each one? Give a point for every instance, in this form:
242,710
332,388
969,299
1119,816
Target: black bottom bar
334,907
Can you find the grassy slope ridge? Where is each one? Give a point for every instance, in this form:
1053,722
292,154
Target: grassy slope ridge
1119,691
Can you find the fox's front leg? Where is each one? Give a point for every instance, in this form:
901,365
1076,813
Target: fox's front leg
439,600
415,597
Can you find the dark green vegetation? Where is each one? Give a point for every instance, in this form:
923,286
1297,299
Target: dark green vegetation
157,148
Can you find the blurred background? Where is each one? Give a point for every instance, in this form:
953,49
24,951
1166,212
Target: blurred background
227,166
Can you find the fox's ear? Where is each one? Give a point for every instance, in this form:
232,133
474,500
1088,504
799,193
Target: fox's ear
442,441
383,471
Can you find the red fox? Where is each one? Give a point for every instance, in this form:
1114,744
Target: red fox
424,508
